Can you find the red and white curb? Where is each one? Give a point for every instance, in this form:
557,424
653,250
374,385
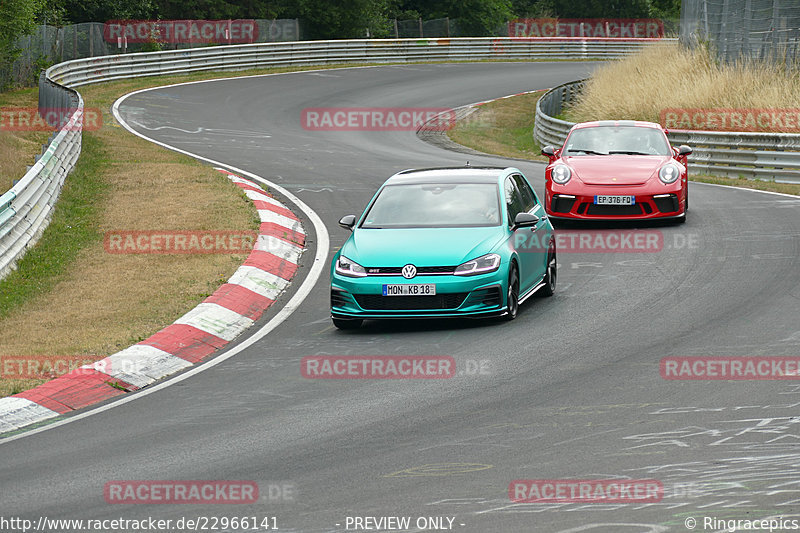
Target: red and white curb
215,322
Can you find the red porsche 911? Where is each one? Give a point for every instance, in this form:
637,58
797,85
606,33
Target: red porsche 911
616,170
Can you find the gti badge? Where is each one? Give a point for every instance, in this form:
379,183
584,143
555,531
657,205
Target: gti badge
409,271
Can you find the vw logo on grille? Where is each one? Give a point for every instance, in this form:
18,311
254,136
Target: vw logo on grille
409,271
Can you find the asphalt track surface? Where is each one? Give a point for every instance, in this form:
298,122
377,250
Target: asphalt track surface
569,390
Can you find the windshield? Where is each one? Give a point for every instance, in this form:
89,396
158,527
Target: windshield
605,140
435,205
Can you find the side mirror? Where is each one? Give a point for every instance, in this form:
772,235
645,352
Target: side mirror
347,222
684,150
549,151
525,220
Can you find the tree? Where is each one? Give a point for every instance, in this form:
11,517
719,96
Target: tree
217,9
533,8
105,10
666,9
476,18
479,18
17,18
341,19
602,8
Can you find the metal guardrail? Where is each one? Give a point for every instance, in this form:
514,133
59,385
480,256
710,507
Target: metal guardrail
773,156
248,56
547,129
25,210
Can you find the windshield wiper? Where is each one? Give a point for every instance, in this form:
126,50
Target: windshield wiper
585,151
627,152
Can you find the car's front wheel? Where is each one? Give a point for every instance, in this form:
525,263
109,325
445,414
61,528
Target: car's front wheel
512,294
681,219
686,200
551,273
347,323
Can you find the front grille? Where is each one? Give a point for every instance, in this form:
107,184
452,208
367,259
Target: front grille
561,204
421,271
614,210
667,204
377,302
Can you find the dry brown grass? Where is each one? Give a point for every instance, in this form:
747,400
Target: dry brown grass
670,76
18,148
104,302
502,127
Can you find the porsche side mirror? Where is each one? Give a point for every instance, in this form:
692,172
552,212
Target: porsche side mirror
684,150
549,151
525,220
347,222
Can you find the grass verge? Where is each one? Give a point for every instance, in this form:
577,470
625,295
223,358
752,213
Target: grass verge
70,301
785,188
503,127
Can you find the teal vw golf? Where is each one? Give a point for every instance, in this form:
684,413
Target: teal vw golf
444,242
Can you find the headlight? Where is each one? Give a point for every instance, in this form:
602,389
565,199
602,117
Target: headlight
481,265
561,174
346,267
669,173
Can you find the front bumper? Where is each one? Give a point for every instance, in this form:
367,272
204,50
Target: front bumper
667,203
456,296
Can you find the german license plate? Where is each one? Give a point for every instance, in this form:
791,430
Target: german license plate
603,199
410,289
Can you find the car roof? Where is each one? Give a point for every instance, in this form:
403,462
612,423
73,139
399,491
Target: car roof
616,124
450,175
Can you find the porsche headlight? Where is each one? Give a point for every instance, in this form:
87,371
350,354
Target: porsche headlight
346,267
561,174
482,265
669,173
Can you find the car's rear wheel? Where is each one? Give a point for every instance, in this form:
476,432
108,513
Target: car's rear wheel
347,323
551,273
512,296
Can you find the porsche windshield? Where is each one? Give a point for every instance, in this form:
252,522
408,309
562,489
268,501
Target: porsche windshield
435,205
610,140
